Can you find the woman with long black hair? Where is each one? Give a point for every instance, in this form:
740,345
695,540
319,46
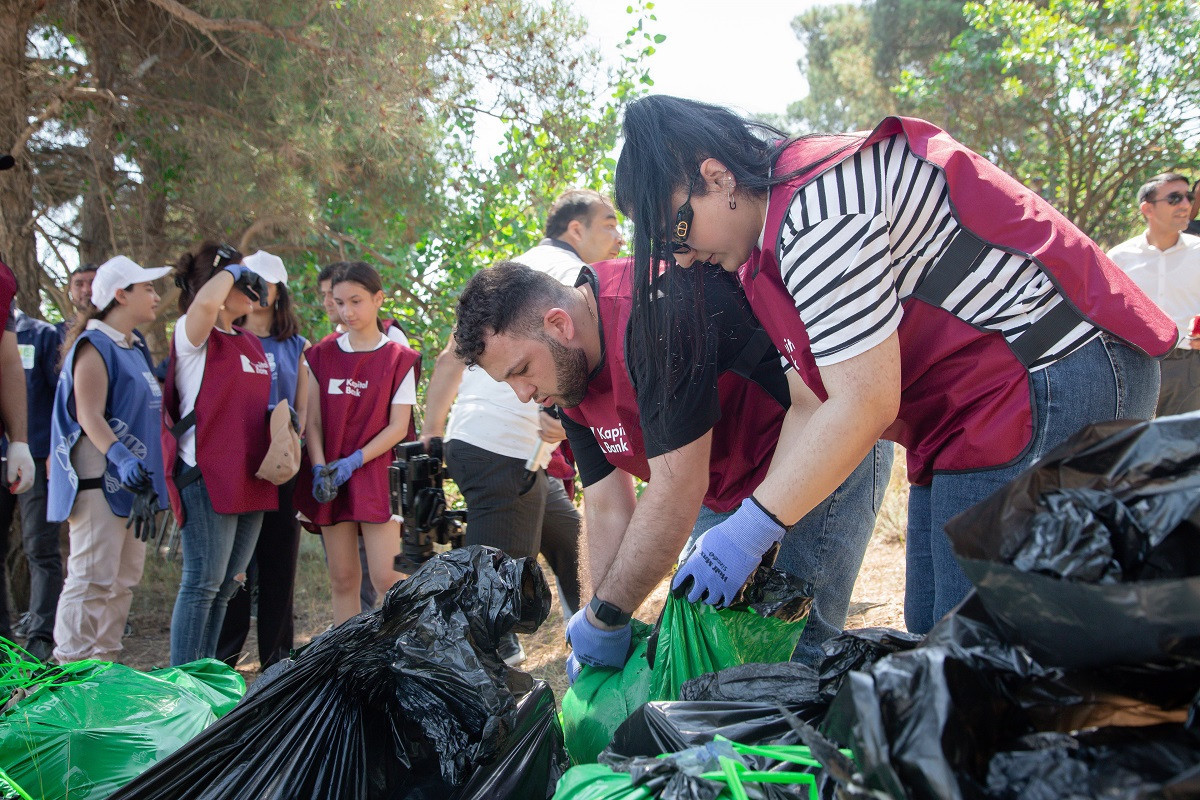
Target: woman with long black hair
919,294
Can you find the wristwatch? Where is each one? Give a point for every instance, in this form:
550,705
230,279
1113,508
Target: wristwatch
608,613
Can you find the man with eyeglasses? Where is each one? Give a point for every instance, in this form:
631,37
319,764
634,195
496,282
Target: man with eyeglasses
1165,264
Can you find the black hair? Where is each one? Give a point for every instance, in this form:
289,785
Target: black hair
359,272
284,322
1149,190
82,268
509,297
574,204
330,271
666,139
196,268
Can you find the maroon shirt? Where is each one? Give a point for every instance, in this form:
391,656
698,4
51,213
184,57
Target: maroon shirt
965,398
232,436
8,290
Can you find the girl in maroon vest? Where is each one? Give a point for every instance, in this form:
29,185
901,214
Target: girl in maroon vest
214,437
920,294
361,395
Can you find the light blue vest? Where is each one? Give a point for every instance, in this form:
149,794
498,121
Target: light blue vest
133,409
284,358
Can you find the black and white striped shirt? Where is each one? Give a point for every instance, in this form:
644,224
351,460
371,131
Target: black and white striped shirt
858,239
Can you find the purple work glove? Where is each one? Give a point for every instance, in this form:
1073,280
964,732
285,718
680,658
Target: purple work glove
594,646
723,558
343,468
130,469
323,488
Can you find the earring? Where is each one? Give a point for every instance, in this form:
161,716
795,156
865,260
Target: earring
732,203
729,188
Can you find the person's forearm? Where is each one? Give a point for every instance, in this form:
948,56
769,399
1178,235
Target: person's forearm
12,389
665,515
314,432
302,398
607,508
817,451
382,442
441,391
203,310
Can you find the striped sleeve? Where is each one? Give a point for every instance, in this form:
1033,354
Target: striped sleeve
836,262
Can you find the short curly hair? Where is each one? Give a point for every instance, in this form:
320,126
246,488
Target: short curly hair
508,298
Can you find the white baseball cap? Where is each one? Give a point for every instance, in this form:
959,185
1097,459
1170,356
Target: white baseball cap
270,267
117,273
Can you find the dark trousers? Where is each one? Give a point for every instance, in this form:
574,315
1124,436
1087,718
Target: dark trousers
272,573
1179,390
39,539
542,519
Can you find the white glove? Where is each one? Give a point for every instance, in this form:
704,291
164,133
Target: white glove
20,468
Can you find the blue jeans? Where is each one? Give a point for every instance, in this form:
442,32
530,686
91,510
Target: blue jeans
1103,380
216,552
826,547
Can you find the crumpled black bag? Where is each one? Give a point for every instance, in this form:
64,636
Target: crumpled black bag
950,718
409,701
1092,556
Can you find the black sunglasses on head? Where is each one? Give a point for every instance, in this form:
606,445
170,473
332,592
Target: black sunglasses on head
226,252
683,224
1175,198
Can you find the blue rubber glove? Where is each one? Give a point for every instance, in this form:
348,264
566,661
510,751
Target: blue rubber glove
723,558
323,487
237,271
248,282
343,468
130,469
594,646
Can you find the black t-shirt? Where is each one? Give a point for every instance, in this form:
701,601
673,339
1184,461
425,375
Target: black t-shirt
726,337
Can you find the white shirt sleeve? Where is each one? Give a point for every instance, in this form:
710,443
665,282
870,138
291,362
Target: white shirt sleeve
407,393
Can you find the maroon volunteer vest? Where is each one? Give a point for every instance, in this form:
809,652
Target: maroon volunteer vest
743,440
8,290
965,398
356,392
230,418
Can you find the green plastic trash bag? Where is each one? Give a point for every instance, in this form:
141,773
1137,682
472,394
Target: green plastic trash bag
81,731
717,770
690,640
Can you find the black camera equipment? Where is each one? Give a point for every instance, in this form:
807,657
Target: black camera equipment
417,497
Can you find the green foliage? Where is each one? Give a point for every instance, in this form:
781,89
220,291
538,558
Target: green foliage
321,131
494,210
1082,100
854,54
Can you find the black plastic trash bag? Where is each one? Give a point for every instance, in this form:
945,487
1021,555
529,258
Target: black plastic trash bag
670,726
1092,556
410,701
929,723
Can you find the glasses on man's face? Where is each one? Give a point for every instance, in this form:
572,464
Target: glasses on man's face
683,226
1175,198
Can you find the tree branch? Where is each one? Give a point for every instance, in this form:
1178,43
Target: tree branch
209,26
52,108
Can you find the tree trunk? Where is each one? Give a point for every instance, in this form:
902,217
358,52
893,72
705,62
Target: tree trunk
17,246
96,241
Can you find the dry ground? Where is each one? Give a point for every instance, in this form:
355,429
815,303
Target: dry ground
878,599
